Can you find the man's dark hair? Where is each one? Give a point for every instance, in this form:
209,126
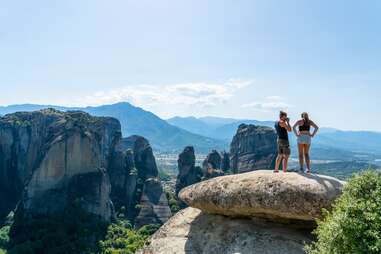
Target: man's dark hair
282,114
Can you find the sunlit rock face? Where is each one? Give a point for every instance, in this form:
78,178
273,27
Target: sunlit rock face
252,148
280,197
48,158
259,212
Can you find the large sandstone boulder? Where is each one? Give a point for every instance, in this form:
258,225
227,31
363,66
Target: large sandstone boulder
281,197
191,231
252,148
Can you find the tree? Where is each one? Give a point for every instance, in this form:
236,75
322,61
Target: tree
354,224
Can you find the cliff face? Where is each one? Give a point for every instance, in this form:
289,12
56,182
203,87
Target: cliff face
51,159
135,183
46,155
253,147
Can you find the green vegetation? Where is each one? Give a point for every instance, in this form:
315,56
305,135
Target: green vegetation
74,232
354,224
173,203
4,239
122,239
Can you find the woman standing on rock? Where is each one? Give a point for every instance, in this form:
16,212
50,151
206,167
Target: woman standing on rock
304,139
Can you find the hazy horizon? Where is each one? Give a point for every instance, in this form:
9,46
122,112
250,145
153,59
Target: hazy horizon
242,59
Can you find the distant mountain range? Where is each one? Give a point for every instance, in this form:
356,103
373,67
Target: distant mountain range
214,127
207,133
134,120
327,145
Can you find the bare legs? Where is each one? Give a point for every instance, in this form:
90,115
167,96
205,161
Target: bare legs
301,156
307,157
281,159
285,163
304,155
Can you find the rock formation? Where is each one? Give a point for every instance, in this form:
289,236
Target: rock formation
212,160
58,158
51,159
264,194
212,165
253,147
188,173
225,163
135,183
258,212
191,231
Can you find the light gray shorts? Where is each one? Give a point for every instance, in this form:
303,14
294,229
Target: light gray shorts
304,139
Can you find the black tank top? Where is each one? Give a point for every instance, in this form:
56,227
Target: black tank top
282,132
305,126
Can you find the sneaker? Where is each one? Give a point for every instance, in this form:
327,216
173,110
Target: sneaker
276,171
301,170
308,171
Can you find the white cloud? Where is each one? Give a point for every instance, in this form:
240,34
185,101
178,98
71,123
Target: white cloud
270,103
200,94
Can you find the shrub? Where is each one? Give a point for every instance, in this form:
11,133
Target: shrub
4,237
124,240
354,224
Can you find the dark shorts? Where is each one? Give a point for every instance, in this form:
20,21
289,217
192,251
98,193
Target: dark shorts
284,147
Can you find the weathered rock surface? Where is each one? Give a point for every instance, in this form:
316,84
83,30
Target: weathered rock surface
154,204
135,184
50,159
253,147
211,166
225,163
281,197
188,173
53,154
213,160
191,231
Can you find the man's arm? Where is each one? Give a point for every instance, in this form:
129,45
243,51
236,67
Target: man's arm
316,129
286,125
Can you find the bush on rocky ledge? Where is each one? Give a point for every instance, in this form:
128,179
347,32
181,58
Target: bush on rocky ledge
354,224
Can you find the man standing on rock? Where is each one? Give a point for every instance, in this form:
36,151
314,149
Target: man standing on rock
282,128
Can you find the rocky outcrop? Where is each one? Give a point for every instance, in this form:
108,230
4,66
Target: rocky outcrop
49,159
212,165
213,160
259,212
188,173
191,231
154,207
225,162
253,147
279,197
135,184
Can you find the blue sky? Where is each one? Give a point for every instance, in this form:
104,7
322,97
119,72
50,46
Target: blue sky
244,59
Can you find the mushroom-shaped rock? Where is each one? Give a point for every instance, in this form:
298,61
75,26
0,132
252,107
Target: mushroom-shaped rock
191,231
281,197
